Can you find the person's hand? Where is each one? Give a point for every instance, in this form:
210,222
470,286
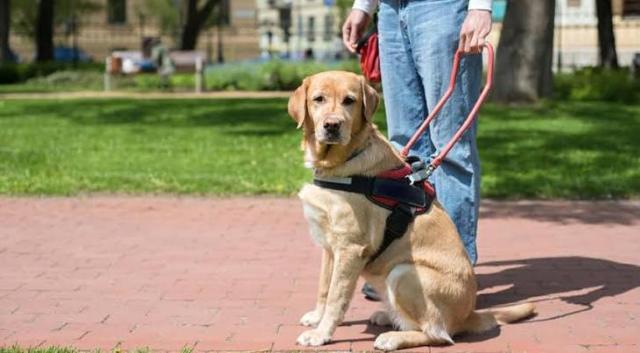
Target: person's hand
353,27
475,29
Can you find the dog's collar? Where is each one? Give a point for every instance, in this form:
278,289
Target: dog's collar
355,154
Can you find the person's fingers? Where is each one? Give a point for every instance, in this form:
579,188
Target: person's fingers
353,36
467,42
474,43
346,29
462,41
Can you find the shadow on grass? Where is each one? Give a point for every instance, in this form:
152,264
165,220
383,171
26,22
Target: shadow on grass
239,116
586,149
554,150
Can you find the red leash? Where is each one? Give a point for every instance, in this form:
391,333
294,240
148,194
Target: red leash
470,118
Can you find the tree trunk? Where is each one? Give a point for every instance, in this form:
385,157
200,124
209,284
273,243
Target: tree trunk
195,20
44,31
525,52
606,37
5,21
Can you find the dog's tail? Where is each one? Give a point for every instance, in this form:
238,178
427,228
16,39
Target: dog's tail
484,320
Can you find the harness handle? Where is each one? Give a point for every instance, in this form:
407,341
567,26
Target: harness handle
470,118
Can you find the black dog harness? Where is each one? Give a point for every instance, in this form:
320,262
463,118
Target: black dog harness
405,191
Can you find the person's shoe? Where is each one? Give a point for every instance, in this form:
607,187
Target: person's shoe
370,293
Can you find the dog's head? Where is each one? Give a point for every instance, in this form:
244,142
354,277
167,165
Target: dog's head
333,106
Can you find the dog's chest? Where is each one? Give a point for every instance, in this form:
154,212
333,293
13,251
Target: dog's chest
318,223
319,207
338,218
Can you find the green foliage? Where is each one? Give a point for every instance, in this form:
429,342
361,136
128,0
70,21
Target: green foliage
273,75
23,14
344,7
596,84
164,13
575,150
270,76
168,16
73,80
15,73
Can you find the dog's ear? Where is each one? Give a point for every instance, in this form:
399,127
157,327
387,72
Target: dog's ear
298,103
370,100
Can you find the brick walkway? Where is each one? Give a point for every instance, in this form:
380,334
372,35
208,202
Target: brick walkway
236,274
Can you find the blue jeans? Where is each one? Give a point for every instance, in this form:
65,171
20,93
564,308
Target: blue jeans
418,39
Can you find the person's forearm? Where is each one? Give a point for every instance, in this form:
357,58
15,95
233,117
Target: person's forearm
368,6
480,5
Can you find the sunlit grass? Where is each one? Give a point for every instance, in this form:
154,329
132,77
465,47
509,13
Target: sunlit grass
251,146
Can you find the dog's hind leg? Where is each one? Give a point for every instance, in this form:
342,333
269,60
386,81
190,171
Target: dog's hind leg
390,341
416,315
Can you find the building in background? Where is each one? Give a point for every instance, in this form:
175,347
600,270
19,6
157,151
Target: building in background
122,24
576,33
289,28
299,28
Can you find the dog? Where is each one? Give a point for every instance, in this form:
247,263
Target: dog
425,276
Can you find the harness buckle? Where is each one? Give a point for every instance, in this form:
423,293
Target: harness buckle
420,172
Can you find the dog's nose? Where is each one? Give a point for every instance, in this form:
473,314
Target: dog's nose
332,125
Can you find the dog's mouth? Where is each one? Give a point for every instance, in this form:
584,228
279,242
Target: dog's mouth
330,137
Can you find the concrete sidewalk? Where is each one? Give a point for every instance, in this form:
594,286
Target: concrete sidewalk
237,274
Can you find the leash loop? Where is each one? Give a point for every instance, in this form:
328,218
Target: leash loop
470,118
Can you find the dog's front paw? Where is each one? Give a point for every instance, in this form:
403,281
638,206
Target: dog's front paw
313,338
380,318
311,318
387,341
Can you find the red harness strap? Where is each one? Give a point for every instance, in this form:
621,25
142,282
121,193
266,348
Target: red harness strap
400,174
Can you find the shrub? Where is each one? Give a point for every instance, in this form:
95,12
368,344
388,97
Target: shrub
69,80
275,75
16,73
596,84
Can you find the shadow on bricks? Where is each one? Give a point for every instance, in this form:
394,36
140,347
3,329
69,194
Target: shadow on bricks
573,279
564,212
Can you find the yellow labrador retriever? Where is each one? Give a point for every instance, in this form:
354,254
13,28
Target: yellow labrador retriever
426,277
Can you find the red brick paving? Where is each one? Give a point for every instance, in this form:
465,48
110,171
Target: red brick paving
236,274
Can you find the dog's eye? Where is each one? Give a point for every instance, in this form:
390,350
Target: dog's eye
348,100
318,99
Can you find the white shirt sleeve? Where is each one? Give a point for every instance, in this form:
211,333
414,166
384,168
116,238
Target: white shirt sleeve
368,6
480,5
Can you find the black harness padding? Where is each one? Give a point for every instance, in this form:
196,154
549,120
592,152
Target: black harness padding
395,227
400,191
411,200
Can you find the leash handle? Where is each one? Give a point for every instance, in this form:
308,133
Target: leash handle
470,118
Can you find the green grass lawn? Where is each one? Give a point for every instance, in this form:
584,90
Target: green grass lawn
241,146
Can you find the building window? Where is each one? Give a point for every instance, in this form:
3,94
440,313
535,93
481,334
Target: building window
328,28
631,8
311,29
117,12
573,3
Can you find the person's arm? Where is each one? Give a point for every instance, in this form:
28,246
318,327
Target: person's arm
480,5
357,22
368,6
476,26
